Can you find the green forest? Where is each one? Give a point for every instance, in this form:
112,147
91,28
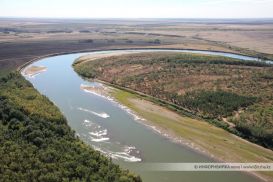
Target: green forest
216,88
36,143
213,104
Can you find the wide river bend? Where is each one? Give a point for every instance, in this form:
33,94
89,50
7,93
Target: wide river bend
111,129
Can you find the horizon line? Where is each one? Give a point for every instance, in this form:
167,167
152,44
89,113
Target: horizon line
135,18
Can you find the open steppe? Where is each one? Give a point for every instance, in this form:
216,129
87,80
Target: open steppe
24,39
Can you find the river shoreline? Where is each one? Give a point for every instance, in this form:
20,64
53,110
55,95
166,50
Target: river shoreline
32,71
109,94
169,134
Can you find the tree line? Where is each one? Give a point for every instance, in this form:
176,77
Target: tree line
36,143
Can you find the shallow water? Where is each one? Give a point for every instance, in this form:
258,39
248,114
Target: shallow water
114,131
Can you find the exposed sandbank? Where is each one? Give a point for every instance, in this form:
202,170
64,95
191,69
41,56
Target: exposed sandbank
31,71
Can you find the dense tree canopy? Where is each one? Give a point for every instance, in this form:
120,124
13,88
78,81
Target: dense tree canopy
36,144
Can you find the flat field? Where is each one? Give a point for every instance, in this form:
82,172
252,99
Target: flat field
24,39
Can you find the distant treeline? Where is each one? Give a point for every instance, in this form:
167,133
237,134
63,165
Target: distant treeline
16,30
60,31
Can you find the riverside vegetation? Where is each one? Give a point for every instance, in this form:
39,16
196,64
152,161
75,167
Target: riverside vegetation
231,93
36,143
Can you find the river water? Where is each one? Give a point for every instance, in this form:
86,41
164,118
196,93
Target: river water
109,128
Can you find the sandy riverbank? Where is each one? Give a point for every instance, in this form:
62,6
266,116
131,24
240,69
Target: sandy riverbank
198,135
98,89
31,71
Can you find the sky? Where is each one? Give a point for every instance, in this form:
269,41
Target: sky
137,8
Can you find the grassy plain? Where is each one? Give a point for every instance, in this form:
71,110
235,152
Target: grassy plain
24,39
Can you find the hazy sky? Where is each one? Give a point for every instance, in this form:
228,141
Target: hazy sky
137,8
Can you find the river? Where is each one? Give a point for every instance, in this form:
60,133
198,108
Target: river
109,128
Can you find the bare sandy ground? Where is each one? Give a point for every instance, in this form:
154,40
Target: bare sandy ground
98,89
34,70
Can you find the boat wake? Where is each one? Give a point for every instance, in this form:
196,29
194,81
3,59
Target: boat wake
100,140
123,155
99,133
102,114
98,136
109,98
